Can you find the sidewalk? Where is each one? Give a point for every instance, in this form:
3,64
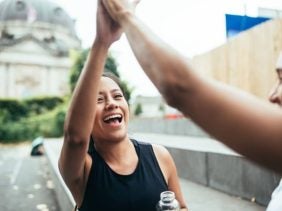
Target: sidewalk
198,197
202,198
25,182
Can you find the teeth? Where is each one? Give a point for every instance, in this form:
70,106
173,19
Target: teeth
112,116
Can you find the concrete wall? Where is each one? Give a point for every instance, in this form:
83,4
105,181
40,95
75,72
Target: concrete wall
231,174
168,126
65,199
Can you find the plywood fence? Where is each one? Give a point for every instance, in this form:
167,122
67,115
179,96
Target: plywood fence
246,61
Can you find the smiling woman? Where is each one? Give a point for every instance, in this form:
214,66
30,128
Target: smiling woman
112,113
117,173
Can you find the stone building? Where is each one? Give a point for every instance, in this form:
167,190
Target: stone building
153,106
35,39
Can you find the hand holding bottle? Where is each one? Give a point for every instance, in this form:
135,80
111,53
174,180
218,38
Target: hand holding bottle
168,202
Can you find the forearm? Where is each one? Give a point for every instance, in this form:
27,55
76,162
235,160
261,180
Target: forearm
80,119
243,122
81,114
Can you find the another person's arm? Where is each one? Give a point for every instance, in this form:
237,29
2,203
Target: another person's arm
74,162
246,124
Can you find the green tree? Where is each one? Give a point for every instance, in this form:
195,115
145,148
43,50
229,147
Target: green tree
138,109
111,66
162,108
79,59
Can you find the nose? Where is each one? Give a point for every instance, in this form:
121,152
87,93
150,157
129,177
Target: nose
111,104
274,96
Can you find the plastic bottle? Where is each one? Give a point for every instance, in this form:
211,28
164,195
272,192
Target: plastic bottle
168,202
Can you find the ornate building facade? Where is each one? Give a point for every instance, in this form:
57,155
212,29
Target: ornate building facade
35,39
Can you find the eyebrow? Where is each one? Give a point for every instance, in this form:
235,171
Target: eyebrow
112,91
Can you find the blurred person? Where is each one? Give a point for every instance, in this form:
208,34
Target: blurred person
243,122
275,96
37,148
275,203
119,173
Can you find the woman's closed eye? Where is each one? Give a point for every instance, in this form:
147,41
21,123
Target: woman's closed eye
100,99
118,96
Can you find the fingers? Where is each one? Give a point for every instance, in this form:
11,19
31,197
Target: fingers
136,2
108,6
116,8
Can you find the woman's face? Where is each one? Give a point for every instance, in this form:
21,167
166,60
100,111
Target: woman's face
112,112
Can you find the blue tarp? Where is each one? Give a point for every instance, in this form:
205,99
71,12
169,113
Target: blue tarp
237,23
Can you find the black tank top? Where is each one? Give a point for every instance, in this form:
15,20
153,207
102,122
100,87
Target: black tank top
140,191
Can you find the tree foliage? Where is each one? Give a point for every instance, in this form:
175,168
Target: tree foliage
138,109
27,119
79,60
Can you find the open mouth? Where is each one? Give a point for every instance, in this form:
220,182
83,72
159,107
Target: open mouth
115,118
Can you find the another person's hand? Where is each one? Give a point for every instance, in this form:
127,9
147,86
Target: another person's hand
107,31
117,8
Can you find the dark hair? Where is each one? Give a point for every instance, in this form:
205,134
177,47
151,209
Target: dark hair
114,78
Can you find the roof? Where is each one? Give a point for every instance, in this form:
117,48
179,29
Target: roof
36,10
55,47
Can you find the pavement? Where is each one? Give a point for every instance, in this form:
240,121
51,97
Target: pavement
202,198
25,182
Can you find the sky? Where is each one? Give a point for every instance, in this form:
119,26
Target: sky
190,26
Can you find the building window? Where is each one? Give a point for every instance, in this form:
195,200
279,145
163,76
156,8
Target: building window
271,13
58,11
20,5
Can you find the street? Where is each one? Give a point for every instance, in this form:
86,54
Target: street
25,181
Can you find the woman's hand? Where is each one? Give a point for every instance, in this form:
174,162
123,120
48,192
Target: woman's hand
107,30
118,8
